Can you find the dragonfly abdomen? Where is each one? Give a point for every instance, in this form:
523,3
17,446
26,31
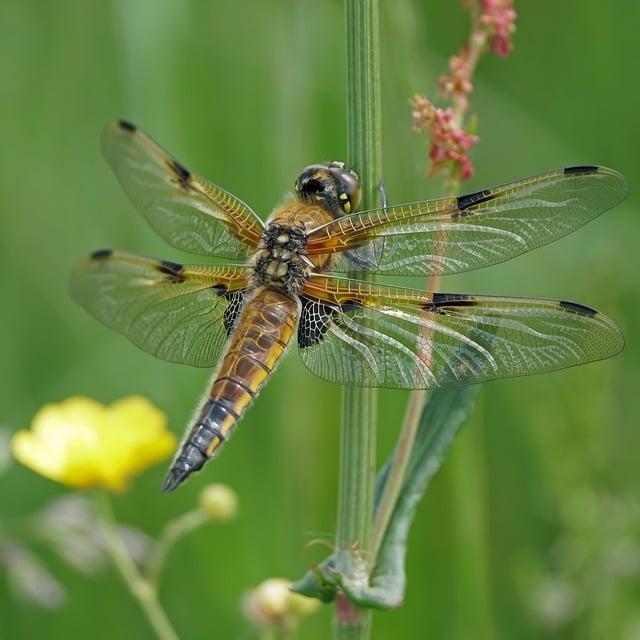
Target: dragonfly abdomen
257,343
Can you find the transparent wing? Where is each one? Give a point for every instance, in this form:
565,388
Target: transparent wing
451,235
186,210
358,333
174,312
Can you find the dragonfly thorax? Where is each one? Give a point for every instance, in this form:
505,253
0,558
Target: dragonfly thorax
280,260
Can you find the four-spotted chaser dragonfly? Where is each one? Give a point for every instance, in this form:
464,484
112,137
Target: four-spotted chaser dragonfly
282,285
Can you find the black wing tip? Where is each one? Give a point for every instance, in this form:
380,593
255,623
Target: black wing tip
578,308
101,254
175,477
581,170
126,125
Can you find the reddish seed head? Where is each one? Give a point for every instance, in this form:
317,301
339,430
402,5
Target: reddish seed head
449,142
457,84
499,17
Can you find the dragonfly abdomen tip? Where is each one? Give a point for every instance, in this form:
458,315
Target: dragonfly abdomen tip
174,478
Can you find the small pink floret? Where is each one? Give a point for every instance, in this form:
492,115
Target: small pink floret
449,143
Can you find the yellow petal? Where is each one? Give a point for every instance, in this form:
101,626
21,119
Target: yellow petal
82,443
135,437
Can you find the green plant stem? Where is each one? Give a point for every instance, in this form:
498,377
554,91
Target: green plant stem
139,588
172,532
271,633
397,470
359,406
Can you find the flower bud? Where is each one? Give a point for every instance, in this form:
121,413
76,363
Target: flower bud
219,502
270,599
272,603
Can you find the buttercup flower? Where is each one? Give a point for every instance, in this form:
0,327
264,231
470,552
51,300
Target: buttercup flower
82,443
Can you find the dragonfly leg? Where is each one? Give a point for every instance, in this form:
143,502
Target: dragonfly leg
383,193
368,256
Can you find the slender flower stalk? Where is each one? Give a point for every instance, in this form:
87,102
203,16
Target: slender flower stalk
359,406
217,503
172,532
451,138
139,588
397,470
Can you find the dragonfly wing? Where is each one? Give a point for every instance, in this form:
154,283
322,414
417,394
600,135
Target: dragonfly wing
186,210
452,235
362,334
174,312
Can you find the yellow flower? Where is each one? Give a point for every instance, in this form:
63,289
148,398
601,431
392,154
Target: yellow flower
82,443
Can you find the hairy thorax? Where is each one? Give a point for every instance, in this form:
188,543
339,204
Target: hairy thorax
281,261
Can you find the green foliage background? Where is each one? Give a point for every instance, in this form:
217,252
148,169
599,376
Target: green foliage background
532,529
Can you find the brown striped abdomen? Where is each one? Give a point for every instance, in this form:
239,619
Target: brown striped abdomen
258,341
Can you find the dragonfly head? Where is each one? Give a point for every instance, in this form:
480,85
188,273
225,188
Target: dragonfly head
332,185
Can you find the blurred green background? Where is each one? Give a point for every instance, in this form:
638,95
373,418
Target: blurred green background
532,529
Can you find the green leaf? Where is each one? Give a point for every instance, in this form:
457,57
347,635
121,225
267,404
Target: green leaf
443,415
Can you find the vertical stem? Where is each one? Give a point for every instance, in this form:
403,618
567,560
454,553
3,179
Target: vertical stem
139,588
172,532
397,471
359,406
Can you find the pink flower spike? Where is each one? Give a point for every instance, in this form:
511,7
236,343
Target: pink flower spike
449,143
499,17
457,85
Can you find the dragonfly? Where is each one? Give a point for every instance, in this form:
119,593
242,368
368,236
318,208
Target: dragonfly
287,281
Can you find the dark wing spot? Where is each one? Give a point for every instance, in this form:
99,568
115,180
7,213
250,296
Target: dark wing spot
220,289
578,308
126,125
350,305
470,199
449,300
101,254
172,270
580,170
180,171
454,299
315,320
